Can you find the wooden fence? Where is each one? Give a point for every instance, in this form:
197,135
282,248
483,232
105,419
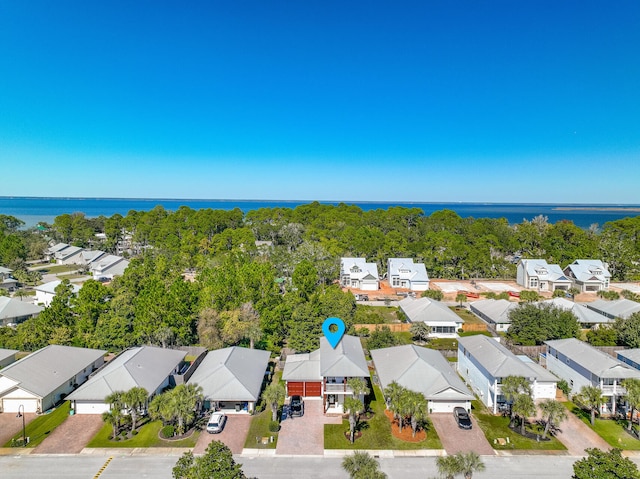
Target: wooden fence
474,327
394,327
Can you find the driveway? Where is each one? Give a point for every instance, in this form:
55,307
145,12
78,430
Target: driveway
10,425
455,440
305,435
233,435
72,435
577,436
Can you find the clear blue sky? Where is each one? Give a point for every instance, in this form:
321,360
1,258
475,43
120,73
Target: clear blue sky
497,101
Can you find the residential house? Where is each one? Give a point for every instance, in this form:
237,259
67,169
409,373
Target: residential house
484,363
357,273
630,357
323,373
14,311
588,275
232,378
44,378
108,266
68,255
586,317
539,275
425,371
619,308
147,367
7,281
46,292
404,273
581,365
50,252
7,356
443,322
89,256
495,312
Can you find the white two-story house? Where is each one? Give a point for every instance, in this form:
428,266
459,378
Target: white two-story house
538,275
580,365
484,363
588,275
404,273
357,273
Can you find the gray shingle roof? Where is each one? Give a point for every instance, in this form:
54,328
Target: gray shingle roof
429,310
14,308
632,354
544,271
144,366
589,270
347,359
232,374
580,311
366,269
6,353
593,360
620,308
45,370
499,361
419,369
51,286
302,367
414,271
497,310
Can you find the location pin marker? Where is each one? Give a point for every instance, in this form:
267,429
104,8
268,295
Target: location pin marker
333,337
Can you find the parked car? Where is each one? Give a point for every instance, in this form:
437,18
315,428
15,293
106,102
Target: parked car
296,406
216,423
462,418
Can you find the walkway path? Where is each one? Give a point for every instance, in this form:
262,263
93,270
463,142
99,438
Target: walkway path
72,435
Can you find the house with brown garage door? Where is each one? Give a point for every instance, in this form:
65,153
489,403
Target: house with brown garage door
323,374
44,378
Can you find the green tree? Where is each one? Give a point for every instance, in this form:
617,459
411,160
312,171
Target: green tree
217,462
382,338
448,466
632,387
135,399
605,465
461,298
113,417
274,395
523,407
433,294
533,324
602,335
184,401
420,331
554,412
591,398
529,296
417,409
513,386
354,407
629,330
360,465
469,462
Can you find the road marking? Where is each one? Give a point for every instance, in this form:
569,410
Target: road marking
103,468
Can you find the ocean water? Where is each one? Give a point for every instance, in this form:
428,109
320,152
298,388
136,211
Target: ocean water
33,210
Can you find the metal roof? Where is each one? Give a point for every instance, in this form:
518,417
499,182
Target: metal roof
619,308
631,354
51,286
366,269
346,360
302,367
498,360
585,270
414,271
544,271
144,366
45,370
11,308
421,370
428,310
497,310
232,374
580,311
593,360
6,353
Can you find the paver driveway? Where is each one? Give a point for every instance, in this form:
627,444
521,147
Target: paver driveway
10,425
305,435
577,436
455,440
233,435
72,435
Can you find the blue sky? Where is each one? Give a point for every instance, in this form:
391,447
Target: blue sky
444,101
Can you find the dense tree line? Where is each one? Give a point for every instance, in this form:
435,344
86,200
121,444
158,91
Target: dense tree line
257,296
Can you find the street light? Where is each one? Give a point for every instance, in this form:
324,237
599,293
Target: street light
24,435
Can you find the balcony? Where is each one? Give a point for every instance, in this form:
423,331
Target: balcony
332,388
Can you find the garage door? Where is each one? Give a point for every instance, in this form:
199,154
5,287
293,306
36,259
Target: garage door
313,389
295,388
444,406
90,407
12,405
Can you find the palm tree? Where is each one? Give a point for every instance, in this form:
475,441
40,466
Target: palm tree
511,387
354,406
469,463
461,298
448,466
591,397
113,417
417,407
273,395
359,387
524,407
632,387
184,400
135,399
160,408
555,413
114,400
392,392
360,465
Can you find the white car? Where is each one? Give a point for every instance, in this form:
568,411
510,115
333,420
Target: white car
216,423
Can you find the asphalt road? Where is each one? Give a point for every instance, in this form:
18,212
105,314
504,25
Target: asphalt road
159,467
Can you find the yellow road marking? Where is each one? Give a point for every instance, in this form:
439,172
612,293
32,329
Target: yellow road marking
103,468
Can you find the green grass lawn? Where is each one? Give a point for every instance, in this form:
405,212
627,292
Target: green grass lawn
58,268
38,429
146,437
71,276
466,315
611,430
375,314
259,428
495,427
443,343
376,433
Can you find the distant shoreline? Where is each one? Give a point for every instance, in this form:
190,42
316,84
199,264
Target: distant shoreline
596,208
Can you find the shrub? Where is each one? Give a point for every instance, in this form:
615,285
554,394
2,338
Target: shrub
134,432
168,431
274,426
433,294
564,387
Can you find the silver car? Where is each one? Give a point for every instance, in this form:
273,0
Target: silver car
216,423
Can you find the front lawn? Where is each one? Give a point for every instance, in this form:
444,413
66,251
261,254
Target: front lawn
148,436
611,430
495,427
258,429
366,314
38,429
376,432
57,269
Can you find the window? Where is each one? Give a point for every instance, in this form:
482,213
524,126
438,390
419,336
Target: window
608,382
533,282
395,281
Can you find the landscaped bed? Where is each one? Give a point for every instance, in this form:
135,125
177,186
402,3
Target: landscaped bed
376,432
611,430
500,436
40,428
148,436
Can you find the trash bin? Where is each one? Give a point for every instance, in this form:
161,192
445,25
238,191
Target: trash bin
72,412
